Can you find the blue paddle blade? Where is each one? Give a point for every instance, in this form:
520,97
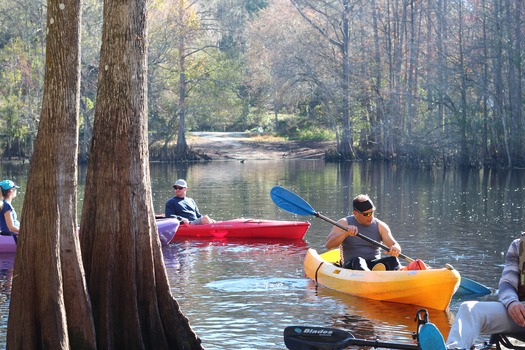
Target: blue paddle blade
430,338
290,202
468,286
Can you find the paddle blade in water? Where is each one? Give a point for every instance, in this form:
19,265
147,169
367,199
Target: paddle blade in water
290,202
468,286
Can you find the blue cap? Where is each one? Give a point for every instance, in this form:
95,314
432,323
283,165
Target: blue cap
8,184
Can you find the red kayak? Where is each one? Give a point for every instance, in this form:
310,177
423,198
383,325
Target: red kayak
246,228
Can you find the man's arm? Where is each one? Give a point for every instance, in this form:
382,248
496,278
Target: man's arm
169,209
197,212
388,239
338,235
508,283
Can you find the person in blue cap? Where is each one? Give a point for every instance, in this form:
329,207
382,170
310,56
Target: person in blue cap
9,224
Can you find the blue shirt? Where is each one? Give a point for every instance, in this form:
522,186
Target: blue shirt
3,224
184,207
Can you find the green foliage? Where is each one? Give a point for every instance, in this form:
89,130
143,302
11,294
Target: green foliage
303,128
315,134
292,131
256,121
214,103
244,59
19,68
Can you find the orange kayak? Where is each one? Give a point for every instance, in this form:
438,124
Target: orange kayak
431,288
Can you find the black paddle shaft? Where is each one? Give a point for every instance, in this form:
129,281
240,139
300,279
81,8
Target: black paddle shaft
318,338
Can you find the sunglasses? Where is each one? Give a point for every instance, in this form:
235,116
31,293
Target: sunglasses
178,188
365,214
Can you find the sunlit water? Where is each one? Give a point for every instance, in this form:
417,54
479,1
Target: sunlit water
241,294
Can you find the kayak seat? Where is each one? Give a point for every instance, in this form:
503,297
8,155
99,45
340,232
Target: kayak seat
508,341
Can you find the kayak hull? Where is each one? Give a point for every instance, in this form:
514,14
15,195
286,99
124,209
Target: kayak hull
432,288
246,228
167,228
7,244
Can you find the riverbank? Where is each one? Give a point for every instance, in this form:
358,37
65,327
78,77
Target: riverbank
245,145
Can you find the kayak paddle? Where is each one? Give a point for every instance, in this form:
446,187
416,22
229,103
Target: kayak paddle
469,287
294,204
291,202
308,338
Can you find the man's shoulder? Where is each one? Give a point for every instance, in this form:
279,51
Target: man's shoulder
174,199
515,244
381,223
189,199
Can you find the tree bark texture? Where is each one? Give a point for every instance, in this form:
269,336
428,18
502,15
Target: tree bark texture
50,308
132,303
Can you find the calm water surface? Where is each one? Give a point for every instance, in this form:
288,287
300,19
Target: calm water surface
241,294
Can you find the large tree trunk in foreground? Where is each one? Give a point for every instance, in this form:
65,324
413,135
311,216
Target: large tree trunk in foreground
132,304
49,306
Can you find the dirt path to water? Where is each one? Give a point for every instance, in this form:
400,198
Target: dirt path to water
246,145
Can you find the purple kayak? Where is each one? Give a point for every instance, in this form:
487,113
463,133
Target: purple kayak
167,229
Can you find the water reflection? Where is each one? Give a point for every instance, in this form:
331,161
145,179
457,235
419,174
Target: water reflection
357,315
7,261
241,294
237,292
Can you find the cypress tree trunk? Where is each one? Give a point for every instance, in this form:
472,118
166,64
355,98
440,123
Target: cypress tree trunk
49,307
132,304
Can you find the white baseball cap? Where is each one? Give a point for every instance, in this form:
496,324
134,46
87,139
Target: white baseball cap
181,183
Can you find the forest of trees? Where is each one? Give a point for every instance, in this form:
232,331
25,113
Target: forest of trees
434,81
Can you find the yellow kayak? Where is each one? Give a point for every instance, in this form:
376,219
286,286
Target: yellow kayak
432,288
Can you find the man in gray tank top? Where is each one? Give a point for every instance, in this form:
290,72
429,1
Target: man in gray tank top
356,253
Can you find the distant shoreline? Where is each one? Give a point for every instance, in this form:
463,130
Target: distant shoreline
241,146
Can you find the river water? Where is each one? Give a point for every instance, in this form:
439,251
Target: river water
241,294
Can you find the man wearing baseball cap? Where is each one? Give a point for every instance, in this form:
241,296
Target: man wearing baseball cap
9,224
357,253
184,208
